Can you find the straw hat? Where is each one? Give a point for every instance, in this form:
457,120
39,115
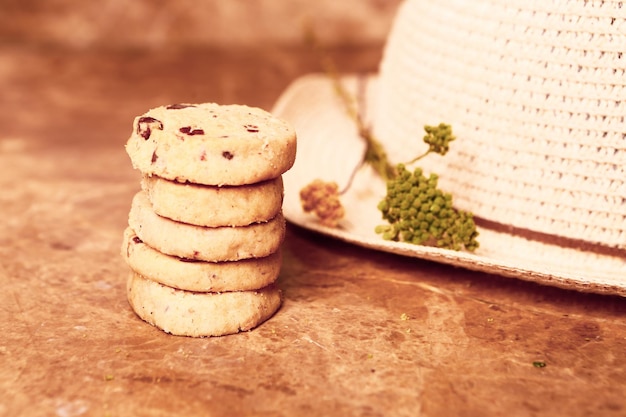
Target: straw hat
535,91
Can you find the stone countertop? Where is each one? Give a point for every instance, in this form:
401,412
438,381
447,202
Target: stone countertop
360,333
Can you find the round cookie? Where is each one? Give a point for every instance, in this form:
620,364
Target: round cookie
211,144
186,313
213,244
206,205
199,276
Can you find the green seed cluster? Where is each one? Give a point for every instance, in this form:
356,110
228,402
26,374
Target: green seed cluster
420,213
438,138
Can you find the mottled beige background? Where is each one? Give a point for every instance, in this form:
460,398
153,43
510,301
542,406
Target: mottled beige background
159,23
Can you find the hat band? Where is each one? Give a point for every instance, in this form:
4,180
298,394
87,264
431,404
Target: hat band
547,238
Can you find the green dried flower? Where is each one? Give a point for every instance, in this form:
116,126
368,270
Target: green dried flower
418,212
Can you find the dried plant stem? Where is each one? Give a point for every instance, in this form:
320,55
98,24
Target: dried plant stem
417,158
375,154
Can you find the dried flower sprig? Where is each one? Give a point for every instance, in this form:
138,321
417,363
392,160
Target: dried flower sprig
416,210
322,199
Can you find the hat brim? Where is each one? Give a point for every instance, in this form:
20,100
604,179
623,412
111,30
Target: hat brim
330,148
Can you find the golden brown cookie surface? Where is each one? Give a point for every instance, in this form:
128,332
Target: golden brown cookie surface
199,276
186,313
206,205
211,144
213,244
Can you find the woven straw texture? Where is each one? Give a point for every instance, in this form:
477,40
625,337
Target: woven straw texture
536,94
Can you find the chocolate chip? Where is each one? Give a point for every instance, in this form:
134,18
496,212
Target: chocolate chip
137,240
252,128
188,130
227,155
179,106
154,157
146,124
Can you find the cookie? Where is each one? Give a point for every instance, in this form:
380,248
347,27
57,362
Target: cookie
205,205
213,244
199,276
186,313
211,144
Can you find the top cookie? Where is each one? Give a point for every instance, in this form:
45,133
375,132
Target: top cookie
211,144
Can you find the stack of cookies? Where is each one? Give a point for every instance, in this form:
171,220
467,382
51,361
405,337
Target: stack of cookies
205,231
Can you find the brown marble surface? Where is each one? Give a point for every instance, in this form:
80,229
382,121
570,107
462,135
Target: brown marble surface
360,333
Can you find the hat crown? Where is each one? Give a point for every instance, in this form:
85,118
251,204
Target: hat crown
535,92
